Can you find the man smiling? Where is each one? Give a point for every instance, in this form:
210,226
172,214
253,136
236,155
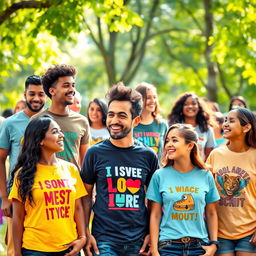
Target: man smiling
11,135
120,167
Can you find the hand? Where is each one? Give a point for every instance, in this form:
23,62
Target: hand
253,239
6,207
209,250
91,243
155,253
144,249
76,246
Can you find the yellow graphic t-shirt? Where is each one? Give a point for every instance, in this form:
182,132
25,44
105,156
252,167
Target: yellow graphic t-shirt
235,177
49,223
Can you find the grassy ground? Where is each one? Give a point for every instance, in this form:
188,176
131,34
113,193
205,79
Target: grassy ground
2,235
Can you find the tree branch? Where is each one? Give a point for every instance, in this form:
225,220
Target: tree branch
167,31
192,16
223,81
172,55
4,15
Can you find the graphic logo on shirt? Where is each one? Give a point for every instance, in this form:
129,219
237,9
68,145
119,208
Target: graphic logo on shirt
185,204
150,139
185,207
70,139
232,181
123,195
95,140
57,197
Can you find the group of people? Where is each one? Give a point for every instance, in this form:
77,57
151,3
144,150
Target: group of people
152,186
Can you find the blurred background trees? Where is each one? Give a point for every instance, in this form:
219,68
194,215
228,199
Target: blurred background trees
206,46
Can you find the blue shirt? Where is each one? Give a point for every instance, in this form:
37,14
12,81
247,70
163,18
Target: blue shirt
183,197
11,135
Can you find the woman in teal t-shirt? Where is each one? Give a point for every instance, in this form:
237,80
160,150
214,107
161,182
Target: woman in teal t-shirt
152,128
181,193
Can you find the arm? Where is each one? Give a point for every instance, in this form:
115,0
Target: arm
82,151
18,225
212,225
6,205
79,243
155,218
87,204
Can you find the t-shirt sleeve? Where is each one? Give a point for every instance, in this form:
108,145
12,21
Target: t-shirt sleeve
153,192
4,136
14,191
86,137
213,194
87,173
210,143
80,189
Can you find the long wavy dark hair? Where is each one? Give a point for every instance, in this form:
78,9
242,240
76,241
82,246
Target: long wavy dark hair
202,117
188,132
29,156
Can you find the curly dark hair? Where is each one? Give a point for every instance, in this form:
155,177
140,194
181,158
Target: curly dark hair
103,108
52,74
176,114
121,92
29,156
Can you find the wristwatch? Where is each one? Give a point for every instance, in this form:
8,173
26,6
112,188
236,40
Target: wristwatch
217,243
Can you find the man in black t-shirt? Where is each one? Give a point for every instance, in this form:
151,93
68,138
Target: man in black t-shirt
121,168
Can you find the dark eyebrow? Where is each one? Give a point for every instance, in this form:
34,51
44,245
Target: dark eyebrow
54,129
118,113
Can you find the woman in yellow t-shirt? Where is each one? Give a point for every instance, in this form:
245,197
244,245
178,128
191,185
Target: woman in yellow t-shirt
46,195
234,168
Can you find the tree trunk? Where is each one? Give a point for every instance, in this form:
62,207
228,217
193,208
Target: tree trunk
212,86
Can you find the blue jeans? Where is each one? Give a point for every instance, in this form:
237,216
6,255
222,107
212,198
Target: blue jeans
26,252
114,249
181,249
238,245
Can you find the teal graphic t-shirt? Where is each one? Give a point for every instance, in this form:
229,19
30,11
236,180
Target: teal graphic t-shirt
183,197
152,135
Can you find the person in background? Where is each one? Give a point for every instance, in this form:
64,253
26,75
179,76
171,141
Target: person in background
7,113
11,137
234,168
190,109
218,131
20,105
48,216
76,106
182,192
97,115
237,101
152,127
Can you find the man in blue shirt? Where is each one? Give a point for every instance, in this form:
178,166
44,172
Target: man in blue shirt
11,135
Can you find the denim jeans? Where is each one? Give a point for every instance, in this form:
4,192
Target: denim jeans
182,249
26,252
114,249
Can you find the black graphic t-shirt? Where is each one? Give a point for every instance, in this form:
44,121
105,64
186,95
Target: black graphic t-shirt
120,174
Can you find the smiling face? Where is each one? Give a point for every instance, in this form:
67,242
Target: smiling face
151,100
176,146
63,91
94,113
53,140
190,107
119,119
35,97
231,126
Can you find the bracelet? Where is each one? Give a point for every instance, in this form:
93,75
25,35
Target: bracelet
82,237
